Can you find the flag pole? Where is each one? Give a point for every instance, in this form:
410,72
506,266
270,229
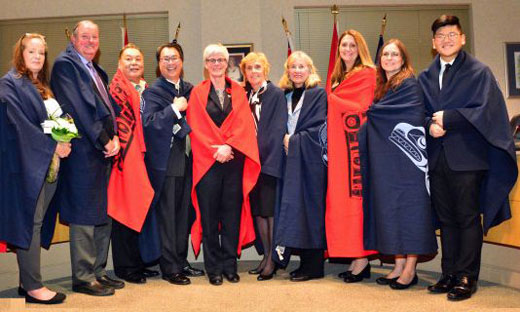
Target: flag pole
383,26
334,10
288,35
177,31
381,39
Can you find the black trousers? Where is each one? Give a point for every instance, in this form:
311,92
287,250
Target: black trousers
220,197
125,250
455,197
172,214
312,262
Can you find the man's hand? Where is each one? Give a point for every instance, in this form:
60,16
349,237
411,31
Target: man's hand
112,147
286,143
63,149
437,118
436,131
223,154
180,103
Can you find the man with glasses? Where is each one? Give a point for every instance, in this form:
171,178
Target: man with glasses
168,166
80,86
471,155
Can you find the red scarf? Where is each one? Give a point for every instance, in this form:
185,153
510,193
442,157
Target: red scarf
347,107
129,190
237,131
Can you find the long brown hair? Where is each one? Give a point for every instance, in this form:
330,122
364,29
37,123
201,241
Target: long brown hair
363,60
383,84
41,82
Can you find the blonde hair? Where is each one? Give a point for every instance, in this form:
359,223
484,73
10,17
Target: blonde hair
363,60
214,48
313,79
252,57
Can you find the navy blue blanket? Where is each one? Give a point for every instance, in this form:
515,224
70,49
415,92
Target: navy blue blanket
396,201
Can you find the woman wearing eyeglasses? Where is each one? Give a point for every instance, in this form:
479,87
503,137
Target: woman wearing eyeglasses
300,224
26,101
398,216
226,166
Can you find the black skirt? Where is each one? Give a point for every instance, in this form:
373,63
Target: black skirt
263,196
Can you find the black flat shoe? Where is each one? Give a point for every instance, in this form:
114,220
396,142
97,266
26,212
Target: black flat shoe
255,271
232,277
105,280
21,291
176,279
192,272
444,285
344,274
215,279
58,298
301,277
295,272
396,285
149,273
262,277
385,281
354,278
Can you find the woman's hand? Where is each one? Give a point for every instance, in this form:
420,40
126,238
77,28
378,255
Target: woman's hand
63,149
180,103
223,154
286,139
112,147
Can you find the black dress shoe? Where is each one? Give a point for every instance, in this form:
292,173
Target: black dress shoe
396,285
444,285
465,287
385,281
134,278
149,273
255,271
354,278
302,277
21,291
58,298
232,277
105,280
215,279
93,288
192,272
176,279
344,274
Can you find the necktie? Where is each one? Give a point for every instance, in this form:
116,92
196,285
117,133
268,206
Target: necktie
446,70
101,88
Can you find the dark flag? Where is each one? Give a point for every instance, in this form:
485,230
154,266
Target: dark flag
381,39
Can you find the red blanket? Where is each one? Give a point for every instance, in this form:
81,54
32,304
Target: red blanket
3,247
237,131
347,106
129,190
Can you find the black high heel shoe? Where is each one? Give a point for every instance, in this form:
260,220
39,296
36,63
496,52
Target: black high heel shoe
396,285
255,271
385,281
354,278
266,277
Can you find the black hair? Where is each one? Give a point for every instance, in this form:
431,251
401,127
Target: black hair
446,20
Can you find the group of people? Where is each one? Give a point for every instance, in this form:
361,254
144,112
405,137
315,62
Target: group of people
371,166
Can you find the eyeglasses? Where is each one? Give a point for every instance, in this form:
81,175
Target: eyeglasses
171,59
451,36
216,61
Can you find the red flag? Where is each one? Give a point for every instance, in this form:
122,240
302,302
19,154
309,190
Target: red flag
289,51
332,56
124,33
129,190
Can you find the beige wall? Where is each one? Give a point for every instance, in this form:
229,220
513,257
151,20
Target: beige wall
256,21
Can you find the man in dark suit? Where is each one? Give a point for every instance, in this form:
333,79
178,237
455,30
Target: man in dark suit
168,166
80,86
471,156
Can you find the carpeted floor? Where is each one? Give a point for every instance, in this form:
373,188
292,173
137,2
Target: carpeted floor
279,294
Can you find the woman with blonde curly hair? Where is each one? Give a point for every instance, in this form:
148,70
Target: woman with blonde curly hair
299,218
353,81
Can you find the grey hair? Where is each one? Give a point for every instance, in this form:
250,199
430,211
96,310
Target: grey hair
75,30
215,48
